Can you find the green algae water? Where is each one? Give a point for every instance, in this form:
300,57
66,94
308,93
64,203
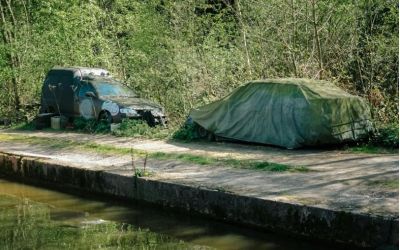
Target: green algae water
37,218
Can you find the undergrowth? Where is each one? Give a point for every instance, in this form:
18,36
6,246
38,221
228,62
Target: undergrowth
386,136
139,128
386,184
127,128
91,125
28,126
186,132
385,139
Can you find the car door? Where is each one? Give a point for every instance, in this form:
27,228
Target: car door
66,92
88,106
49,100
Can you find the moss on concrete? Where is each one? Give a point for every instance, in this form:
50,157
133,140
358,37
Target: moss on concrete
385,184
183,157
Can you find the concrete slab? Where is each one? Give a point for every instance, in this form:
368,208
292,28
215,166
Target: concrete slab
339,181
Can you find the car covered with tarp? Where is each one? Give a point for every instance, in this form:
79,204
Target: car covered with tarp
289,113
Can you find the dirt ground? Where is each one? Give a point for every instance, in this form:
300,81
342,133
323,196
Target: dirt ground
339,180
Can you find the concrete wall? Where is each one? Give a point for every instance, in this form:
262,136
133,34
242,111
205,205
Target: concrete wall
312,222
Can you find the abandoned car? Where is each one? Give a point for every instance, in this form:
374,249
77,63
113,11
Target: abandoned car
93,93
289,113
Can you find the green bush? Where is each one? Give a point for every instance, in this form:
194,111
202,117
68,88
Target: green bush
187,132
29,126
127,128
386,136
91,125
139,128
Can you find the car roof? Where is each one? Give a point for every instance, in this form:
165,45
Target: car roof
83,71
97,79
316,88
292,81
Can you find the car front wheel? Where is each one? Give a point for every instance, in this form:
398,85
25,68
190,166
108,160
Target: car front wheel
149,118
204,133
105,116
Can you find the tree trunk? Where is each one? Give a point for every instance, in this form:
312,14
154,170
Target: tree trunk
317,41
239,11
13,60
294,32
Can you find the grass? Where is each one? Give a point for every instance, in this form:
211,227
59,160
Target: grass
140,129
275,167
372,149
245,164
384,140
28,126
187,158
386,184
127,128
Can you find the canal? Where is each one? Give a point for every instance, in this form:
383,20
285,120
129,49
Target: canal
36,218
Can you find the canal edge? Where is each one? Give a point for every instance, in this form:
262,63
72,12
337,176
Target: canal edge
301,220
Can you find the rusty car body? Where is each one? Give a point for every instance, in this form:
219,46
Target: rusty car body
92,93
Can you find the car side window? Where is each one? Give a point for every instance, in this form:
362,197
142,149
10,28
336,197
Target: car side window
51,84
86,88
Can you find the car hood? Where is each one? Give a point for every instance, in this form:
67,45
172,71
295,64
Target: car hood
135,103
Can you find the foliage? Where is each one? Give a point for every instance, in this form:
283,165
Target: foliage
385,184
141,173
29,126
26,224
387,136
385,139
275,167
91,125
187,53
186,132
369,148
139,128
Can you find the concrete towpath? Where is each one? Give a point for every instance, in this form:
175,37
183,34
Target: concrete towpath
343,197
338,180
303,157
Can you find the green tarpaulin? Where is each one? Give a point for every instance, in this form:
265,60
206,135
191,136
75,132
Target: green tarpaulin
289,113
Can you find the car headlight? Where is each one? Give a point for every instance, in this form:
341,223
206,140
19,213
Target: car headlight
129,112
157,113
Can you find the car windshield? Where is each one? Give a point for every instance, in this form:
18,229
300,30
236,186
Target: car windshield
113,89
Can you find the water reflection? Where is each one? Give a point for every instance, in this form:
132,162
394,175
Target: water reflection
27,224
36,218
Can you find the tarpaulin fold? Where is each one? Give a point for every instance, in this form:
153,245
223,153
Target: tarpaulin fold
289,113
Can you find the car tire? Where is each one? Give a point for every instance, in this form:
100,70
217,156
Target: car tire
201,132
204,133
210,136
42,120
149,118
106,117
39,125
